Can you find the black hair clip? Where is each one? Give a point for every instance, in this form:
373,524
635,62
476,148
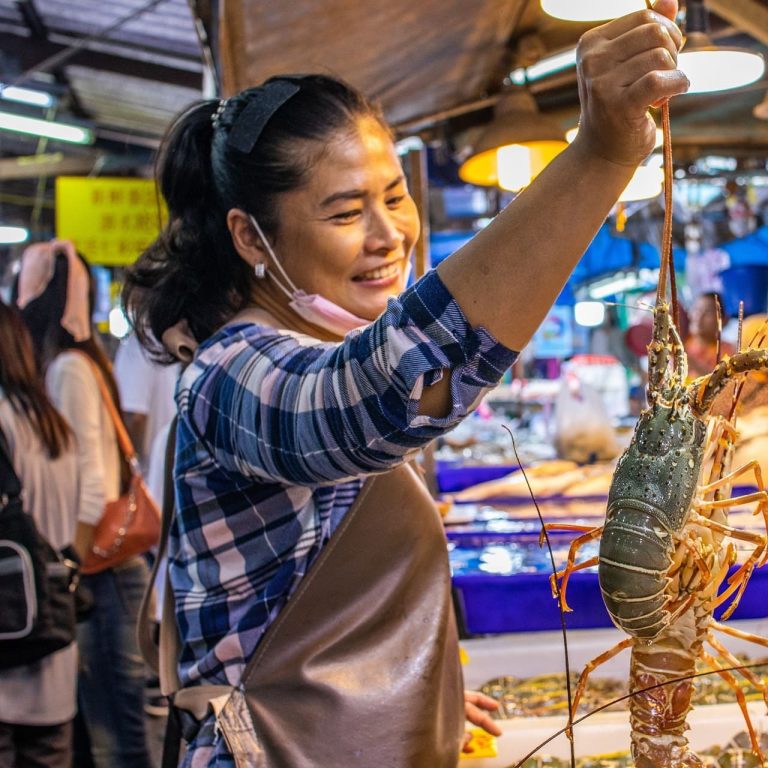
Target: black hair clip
264,102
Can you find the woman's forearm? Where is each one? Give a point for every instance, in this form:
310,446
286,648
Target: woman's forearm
508,276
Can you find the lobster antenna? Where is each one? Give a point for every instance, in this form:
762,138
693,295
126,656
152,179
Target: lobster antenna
666,262
741,326
719,312
672,681
759,335
558,594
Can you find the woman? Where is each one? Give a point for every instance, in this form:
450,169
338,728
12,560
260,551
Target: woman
55,294
290,226
37,701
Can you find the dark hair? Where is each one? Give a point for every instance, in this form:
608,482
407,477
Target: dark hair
22,383
42,317
192,271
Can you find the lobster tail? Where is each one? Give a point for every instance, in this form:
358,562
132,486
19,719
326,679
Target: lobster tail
633,587
658,707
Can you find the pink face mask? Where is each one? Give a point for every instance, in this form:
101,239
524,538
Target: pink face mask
313,308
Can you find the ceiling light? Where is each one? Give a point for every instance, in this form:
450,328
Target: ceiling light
590,10
645,184
549,65
33,126
709,67
623,281
11,235
25,96
515,146
589,314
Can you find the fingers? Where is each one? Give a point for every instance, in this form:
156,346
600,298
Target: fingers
658,86
666,8
476,708
481,719
640,19
481,700
647,37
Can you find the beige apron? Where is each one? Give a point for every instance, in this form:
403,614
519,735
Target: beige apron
361,666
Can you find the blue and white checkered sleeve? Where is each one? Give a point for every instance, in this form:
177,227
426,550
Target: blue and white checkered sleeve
274,407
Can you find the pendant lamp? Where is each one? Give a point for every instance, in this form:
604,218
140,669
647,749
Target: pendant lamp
590,10
711,67
515,146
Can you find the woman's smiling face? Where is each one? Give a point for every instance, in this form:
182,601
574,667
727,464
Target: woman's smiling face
348,233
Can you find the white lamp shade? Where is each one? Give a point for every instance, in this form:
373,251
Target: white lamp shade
720,69
590,10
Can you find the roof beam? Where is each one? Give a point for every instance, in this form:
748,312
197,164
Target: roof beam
32,19
26,56
750,16
51,164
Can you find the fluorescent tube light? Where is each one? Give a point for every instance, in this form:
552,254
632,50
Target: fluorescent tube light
549,65
621,282
33,126
10,235
25,96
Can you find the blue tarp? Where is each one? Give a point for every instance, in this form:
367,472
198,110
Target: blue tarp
751,250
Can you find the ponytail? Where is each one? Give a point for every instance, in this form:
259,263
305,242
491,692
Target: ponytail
181,275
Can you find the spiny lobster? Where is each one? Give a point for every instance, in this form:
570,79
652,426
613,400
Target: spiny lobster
666,546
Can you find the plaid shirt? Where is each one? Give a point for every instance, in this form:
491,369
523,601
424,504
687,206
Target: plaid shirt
276,433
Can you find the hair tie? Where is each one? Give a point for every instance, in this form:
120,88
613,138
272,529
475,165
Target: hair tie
219,111
265,100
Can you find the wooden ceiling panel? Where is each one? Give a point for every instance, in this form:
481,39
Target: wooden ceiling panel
415,57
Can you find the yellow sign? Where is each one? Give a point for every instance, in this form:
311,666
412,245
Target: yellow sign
110,220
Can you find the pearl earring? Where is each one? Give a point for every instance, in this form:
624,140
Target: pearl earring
260,270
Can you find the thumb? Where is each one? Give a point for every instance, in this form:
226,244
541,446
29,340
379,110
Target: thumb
666,8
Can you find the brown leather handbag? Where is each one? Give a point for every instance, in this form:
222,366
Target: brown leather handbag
130,525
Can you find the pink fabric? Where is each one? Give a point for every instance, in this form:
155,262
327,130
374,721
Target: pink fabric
37,263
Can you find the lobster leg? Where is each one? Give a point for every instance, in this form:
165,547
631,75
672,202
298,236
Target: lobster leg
731,680
590,667
747,674
565,574
570,565
739,633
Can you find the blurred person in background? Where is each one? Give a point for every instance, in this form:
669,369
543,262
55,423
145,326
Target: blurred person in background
55,293
37,701
146,394
701,344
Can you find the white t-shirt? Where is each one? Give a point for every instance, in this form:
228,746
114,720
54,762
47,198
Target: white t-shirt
145,387
42,693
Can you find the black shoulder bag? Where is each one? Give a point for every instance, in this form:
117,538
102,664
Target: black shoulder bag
37,583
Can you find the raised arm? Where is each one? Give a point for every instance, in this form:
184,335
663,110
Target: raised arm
508,276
